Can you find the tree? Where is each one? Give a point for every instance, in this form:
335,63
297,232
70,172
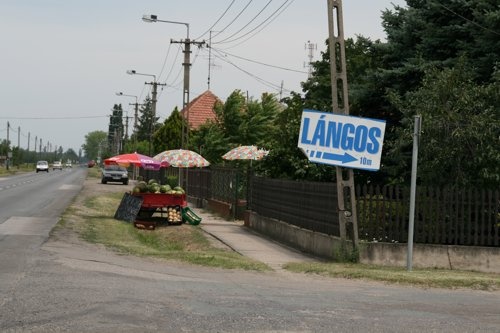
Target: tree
168,136
146,126
209,140
95,143
461,129
115,129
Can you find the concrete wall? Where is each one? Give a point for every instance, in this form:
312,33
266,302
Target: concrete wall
483,259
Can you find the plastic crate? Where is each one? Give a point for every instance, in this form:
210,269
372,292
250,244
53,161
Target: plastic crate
174,214
190,217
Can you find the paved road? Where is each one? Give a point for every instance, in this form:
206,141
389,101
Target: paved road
66,285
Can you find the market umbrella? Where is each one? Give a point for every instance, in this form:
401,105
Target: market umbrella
181,158
139,160
245,153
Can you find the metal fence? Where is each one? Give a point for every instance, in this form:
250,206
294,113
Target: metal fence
443,216
309,205
448,216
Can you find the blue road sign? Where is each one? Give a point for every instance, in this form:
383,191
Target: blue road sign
340,140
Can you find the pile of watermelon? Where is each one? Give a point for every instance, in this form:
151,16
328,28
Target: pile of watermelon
153,186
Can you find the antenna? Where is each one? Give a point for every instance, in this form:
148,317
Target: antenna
311,48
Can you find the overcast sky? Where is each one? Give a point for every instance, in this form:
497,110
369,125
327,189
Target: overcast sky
61,62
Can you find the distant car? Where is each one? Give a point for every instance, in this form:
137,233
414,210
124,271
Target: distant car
114,173
42,166
68,165
91,164
57,165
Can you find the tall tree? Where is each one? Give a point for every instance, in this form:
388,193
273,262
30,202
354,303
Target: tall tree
115,129
461,130
168,136
95,143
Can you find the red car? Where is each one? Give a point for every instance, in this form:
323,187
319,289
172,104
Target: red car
91,164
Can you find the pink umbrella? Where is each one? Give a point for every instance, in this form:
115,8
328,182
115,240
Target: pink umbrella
136,159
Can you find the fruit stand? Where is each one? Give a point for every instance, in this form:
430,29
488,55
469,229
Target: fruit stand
165,200
173,205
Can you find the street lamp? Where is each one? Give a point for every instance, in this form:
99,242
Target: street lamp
187,66
155,90
136,110
154,18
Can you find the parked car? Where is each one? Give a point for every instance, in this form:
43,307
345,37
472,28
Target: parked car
42,166
114,173
57,165
91,164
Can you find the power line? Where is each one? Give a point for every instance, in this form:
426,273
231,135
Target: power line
220,18
272,17
261,80
246,25
173,64
230,23
164,61
468,20
52,118
258,62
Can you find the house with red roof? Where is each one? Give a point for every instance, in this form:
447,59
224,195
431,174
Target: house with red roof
200,110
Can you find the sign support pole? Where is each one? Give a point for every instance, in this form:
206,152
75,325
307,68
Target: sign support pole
345,177
413,190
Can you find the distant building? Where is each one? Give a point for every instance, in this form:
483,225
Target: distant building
200,109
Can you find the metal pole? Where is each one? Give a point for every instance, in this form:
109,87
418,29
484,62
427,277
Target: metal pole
416,135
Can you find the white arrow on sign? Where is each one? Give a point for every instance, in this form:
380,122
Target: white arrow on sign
341,140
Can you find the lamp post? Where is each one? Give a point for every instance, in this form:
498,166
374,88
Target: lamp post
187,66
153,101
136,111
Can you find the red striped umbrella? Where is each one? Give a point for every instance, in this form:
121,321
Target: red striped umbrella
136,159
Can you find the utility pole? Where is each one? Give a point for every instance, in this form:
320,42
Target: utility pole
153,107
345,177
8,145
185,95
29,138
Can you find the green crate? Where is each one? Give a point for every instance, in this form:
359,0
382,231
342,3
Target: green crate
190,217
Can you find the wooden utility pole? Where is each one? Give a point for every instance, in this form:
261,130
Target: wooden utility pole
345,177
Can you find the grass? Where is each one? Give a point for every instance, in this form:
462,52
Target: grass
94,223
427,278
13,169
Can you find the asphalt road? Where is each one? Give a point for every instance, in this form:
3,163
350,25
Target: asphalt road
66,285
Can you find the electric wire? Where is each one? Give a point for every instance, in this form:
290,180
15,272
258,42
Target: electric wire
468,20
173,64
237,16
164,62
271,18
220,18
52,118
246,25
259,79
258,62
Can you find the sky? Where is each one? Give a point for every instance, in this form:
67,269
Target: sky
62,62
